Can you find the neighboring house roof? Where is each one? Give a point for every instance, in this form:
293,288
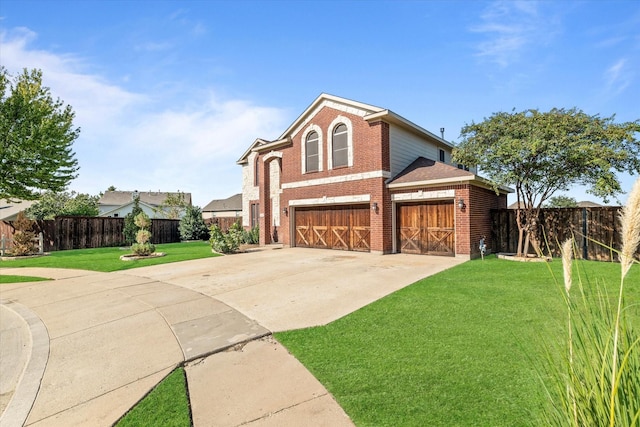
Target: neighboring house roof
233,203
588,204
152,198
371,113
425,171
9,210
110,212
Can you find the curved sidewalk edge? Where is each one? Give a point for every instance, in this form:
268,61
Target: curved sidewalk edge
17,411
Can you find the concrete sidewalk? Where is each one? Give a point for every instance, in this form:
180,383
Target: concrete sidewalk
114,336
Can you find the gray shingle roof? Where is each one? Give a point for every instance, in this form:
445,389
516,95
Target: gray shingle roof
233,203
423,169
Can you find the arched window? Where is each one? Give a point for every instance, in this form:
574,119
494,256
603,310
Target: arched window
312,152
256,172
340,146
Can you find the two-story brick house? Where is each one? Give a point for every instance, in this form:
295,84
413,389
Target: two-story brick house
352,176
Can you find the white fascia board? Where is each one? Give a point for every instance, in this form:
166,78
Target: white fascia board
271,145
244,158
326,97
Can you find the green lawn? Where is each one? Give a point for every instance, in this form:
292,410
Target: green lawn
167,405
8,278
108,259
455,349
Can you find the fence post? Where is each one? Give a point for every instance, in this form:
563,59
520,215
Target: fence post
2,245
585,241
40,243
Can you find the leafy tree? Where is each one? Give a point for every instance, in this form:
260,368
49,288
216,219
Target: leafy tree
130,228
173,206
561,202
111,188
192,226
540,153
36,134
51,205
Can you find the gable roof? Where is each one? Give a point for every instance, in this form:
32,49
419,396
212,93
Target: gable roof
9,210
124,206
426,172
366,111
152,198
233,203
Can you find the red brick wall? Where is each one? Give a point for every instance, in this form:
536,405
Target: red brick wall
370,153
481,201
474,220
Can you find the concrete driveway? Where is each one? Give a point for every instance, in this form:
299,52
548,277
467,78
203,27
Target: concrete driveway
293,288
101,341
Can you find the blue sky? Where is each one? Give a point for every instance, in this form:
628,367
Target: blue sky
169,94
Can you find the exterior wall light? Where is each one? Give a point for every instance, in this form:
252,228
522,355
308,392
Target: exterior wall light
374,207
461,204
285,211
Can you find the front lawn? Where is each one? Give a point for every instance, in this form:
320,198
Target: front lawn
459,348
9,278
108,259
167,405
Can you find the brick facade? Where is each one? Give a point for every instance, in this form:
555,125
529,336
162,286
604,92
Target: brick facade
363,182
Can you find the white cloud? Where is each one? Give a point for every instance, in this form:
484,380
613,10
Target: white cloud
509,28
618,77
131,141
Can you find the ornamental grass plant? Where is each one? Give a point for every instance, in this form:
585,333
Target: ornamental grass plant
597,382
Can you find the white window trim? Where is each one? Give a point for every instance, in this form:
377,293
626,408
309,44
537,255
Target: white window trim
340,120
303,143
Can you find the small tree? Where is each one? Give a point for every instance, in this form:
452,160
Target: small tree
130,227
173,206
23,236
143,246
192,226
541,153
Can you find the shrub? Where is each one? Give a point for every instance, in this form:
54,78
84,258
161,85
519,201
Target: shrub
23,237
192,226
251,237
143,236
225,243
143,249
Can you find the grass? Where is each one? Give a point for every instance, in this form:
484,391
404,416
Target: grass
456,349
167,405
10,278
108,259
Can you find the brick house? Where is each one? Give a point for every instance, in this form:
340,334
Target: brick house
352,176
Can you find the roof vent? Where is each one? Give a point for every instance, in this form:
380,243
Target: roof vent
134,195
442,133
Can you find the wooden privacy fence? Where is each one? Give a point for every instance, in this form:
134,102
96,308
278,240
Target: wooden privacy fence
223,222
75,232
586,225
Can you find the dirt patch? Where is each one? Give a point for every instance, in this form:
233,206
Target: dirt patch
527,258
131,257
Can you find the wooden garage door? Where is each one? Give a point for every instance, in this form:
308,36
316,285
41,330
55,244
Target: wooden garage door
333,227
426,228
